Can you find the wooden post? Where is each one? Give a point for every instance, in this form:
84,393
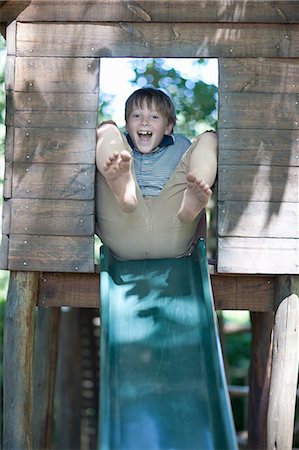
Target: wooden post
68,385
280,421
45,362
17,360
259,378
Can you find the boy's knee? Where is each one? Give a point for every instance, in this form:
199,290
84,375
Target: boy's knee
209,136
108,128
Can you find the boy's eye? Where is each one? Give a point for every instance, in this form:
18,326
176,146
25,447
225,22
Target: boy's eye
155,116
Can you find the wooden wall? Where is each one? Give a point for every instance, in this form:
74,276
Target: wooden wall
50,159
258,195
52,87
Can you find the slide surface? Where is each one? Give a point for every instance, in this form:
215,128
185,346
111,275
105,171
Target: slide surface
162,379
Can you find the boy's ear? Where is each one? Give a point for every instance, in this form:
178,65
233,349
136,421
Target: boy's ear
169,128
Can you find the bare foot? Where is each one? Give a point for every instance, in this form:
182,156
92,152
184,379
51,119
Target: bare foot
196,197
118,174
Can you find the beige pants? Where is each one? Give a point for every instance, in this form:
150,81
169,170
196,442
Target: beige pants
153,230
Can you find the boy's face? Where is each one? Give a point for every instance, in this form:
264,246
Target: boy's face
146,127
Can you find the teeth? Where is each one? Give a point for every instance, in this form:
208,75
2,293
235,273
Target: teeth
145,133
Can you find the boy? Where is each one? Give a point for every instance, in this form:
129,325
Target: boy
152,186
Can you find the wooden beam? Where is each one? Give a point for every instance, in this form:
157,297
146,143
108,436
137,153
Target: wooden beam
44,375
163,11
18,360
230,292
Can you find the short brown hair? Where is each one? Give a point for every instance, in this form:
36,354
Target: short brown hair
151,95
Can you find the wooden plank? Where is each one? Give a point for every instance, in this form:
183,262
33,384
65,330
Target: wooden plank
69,289
230,292
258,255
10,72
18,356
258,219
6,216
9,144
56,119
7,186
272,75
74,75
241,292
257,110
262,147
52,217
284,375
161,11
4,252
54,145
11,30
53,181
157,40
59,101
51,253
258,183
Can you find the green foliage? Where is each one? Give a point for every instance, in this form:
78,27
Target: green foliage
195,101
104,112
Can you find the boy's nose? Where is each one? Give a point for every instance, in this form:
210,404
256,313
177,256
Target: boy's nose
144,121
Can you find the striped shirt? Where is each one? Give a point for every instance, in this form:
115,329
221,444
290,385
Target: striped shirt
154,169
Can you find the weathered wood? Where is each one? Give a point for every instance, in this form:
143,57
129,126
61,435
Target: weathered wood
260,147
69,289
11,38
258,183
9,144
51,217
257,110
259,378
4,252
155,10
44,374
9,10
68,386
258,255
272,75
58,101
230,292
10,72
284,375
54,145
157,40
56,119
254,293
258,219
7,185
18,352
57,75
6,216
53,181
51,253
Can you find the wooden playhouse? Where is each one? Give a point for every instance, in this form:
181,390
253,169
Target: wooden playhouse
54,51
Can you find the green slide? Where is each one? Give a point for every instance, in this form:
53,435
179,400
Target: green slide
162,379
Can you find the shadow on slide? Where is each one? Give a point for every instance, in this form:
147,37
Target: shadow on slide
162,379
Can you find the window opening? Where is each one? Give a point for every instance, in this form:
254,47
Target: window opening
191,83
